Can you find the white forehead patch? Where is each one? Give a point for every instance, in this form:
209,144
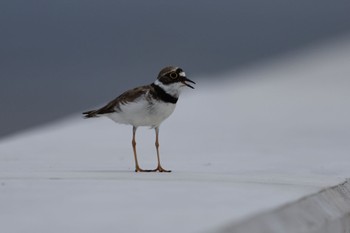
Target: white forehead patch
182,74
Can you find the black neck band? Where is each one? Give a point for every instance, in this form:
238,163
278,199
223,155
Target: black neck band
163,95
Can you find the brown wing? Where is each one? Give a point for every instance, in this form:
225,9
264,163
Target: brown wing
114,105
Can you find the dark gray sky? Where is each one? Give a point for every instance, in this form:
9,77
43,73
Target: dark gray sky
60,57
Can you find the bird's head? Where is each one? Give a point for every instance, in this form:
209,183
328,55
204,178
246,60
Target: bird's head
172,79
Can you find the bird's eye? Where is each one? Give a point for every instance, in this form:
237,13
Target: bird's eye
173,75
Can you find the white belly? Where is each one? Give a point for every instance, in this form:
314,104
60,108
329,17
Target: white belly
142,113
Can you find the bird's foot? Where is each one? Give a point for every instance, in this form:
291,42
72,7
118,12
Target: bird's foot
142,170
160,169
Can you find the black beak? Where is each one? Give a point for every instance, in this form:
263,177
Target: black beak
184,80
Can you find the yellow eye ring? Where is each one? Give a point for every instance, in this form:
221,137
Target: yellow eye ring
173,75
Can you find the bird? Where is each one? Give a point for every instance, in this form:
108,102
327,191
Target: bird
147,105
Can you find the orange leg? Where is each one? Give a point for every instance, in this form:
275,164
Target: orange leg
137,167
159,167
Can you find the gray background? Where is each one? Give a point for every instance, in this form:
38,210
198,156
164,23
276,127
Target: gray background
61,57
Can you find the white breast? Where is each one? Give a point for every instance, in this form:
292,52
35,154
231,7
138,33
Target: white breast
143,113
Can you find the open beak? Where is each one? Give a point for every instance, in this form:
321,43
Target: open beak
184,80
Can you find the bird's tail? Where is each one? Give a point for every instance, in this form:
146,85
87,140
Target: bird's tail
91,114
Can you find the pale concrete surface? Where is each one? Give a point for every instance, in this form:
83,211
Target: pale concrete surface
327,211
244,153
